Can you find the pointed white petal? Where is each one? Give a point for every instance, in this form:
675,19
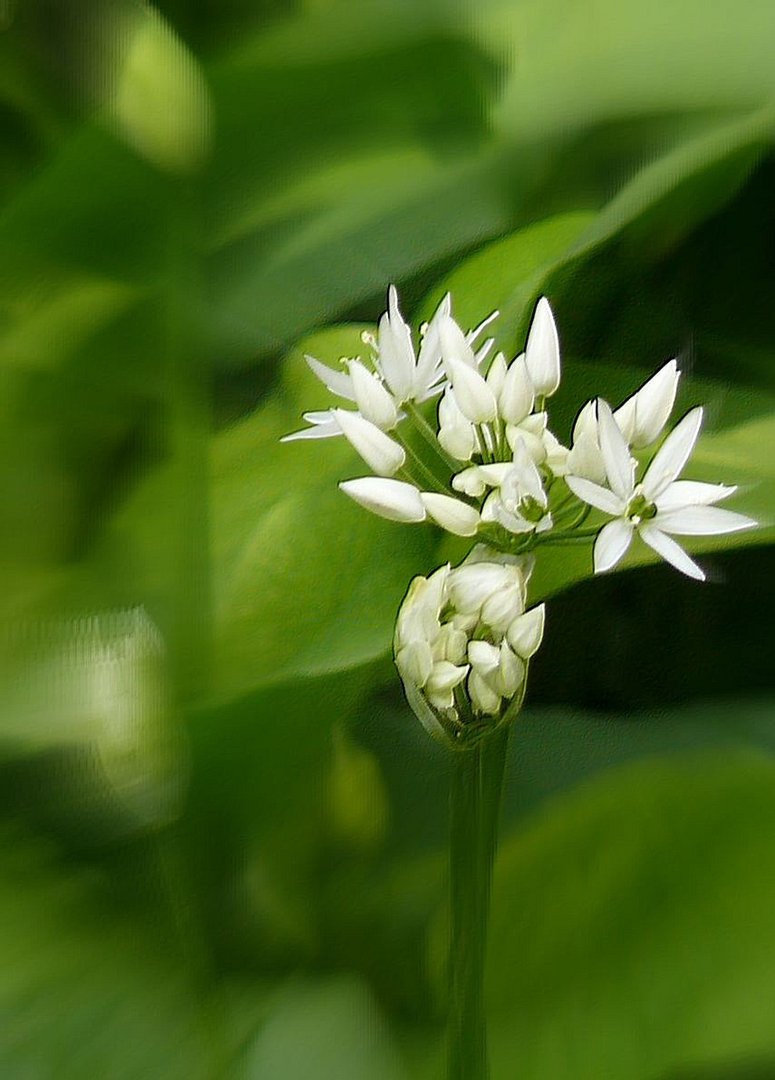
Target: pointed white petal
585,459
469,481
324,426
701,521
396,352
483,698
611,544
452,514
415,662
526,632
542,352
454,347
526,473
619,465
381,453
692,493
374,402
429,367
474,397
586,421
599,497
672,454
472,335
391,499
445,676
483,657
517,396
497,373
338,382
642,417
510,673
670,551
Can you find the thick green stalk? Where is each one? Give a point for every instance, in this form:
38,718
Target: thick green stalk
477,778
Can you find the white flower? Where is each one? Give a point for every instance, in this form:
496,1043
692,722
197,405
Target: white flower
381,453
658,506
391,499
526,632
520,503
542,351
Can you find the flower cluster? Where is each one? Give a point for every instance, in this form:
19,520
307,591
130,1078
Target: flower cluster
463,641
492,470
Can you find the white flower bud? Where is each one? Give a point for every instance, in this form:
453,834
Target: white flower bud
378,450
474,397
542,352
497,373
469,481
374,401
456,435
526,632
454,347
642,417
501,608
391,499
453,515
516,397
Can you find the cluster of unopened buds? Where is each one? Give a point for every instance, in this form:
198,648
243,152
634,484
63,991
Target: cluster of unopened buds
492,470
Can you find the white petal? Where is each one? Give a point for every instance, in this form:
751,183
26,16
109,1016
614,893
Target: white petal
672,454
517,396
586,460
497,373
642,417
458,440
429,363
338,382
599,497
510,673
415,662
452,514
469,481
483,657
474,397
494,475
671,552
692,493
619,465
542,352
526,632
375,403
483,697
391,499
324,426
454,347
586,422
381,453
396,352
472,335
701,521
611,544
501,608
527,475
445,676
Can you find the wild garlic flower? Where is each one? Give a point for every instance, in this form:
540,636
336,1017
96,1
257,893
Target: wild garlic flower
462,644
491,470
658,505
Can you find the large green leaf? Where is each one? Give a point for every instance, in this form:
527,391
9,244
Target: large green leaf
631,930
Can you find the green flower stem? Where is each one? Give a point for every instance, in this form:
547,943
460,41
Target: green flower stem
477,780
427,432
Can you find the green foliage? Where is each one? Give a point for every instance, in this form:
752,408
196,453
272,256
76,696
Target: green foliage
193,197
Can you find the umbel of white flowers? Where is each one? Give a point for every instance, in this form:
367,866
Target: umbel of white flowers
462,644
491,469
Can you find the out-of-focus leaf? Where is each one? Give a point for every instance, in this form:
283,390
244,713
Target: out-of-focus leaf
324,1031
631,928
659,205
87,991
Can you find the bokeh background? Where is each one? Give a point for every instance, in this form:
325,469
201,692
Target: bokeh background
222,837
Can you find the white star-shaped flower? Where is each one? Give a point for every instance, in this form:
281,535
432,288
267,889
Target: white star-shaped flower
659,505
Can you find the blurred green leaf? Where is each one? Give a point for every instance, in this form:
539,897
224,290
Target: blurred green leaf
632,929
328,1030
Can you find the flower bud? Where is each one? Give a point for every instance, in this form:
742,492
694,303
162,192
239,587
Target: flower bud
381,453
526,632
542,352
374,402
391,499
516,397
474,397
453,515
